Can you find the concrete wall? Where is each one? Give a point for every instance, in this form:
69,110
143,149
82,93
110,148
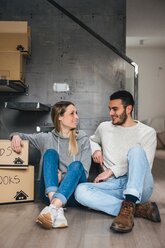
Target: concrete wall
64,52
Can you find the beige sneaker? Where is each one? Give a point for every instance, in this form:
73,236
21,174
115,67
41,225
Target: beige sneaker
52,217
60,220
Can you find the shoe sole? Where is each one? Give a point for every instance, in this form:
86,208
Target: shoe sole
61,226
44,221
120,230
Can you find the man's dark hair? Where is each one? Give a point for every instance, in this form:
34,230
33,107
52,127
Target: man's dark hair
125,96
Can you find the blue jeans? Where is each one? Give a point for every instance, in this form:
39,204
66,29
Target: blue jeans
107,196
49,180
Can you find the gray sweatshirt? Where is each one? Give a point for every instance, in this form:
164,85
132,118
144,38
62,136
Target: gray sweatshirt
53,140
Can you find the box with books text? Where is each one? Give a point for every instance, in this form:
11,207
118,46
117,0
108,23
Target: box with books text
16,185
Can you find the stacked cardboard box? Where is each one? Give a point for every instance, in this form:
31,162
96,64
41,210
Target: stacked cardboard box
15,35
16,176
12,65
15,46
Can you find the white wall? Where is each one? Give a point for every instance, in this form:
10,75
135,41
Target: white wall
146,24
151,63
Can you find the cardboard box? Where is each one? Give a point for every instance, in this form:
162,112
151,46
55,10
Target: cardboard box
12,65
14,34
16,185
11,159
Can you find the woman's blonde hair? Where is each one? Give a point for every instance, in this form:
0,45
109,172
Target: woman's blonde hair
58,110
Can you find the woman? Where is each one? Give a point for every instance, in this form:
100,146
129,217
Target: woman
65,159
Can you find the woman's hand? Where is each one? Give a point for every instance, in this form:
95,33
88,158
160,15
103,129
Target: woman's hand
16,144
103,176
59,176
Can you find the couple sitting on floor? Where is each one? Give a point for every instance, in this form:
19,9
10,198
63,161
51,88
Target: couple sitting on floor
123,147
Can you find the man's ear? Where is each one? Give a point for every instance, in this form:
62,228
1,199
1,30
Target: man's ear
129,109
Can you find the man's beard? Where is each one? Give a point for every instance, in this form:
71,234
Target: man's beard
122,119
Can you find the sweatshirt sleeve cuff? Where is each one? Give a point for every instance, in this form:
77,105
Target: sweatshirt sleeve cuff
12,134
118,173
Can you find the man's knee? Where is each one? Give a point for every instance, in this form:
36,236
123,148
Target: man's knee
136,151
137,156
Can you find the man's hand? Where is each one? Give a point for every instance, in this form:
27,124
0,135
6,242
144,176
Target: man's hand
98,157
16,143
103,176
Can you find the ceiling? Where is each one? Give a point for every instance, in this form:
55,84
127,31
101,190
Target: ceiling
145,23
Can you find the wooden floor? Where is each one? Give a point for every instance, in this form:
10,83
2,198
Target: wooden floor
87,228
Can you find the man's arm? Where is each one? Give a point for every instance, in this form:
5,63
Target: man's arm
149,145
95,141
97,155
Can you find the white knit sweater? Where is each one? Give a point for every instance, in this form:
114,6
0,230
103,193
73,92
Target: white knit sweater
115,141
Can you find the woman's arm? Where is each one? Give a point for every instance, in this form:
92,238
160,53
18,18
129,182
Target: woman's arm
37,140
86,155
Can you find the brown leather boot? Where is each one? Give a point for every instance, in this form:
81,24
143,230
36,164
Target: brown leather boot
148,210
124,222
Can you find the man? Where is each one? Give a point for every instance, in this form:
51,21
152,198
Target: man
125,150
